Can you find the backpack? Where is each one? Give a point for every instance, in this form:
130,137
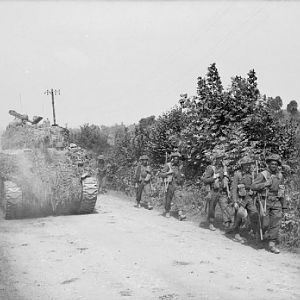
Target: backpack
209,185
281,189
267,175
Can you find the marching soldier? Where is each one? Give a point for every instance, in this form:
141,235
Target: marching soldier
270,185
142,178
109,175
174,178
242,198
80,167
101,174
216,178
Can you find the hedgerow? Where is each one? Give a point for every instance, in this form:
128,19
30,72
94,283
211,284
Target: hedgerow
238,120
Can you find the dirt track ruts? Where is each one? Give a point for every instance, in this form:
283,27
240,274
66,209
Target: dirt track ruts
123,252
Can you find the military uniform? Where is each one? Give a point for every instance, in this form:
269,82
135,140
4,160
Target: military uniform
215,178
109,176
242,197
174,179
101,174
270,185
142,179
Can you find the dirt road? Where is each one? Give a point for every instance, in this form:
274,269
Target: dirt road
127,253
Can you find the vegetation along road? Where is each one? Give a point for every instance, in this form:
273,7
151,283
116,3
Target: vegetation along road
122,252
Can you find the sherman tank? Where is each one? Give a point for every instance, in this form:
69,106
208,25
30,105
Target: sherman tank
42,174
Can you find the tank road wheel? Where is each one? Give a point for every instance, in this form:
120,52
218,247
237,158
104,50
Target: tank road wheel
88,195
12,197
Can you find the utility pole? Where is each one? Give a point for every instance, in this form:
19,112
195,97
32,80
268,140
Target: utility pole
53,92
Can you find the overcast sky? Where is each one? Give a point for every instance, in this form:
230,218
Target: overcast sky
120,61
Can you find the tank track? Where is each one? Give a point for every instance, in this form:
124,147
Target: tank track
88,195
12,196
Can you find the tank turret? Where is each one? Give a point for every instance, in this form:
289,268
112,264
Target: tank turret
40,174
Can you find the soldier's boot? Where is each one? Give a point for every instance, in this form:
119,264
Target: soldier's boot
181,215
273,249
138,205
252,233
212,227
230,230
167,215
149,206
258,238
232,227
238,238
227,225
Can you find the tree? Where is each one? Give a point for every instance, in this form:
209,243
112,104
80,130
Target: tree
164,134
215,117
236,121
275,103
123,153
292,108
142,135
90,137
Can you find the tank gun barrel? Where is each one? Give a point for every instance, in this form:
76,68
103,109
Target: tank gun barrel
24,118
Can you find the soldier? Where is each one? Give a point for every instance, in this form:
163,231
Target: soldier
142,178
109,175
270,185
216,178
82,170
174,178
80,167
101,174
242,198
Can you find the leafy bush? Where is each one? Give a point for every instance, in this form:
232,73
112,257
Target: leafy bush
238,120
90,137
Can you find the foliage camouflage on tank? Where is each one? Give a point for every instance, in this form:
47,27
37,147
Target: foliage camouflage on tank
40,174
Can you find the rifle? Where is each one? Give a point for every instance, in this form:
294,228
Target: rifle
228,208
226,185
261,212
165,179
226,180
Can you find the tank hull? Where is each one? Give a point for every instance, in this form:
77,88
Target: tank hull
43,183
